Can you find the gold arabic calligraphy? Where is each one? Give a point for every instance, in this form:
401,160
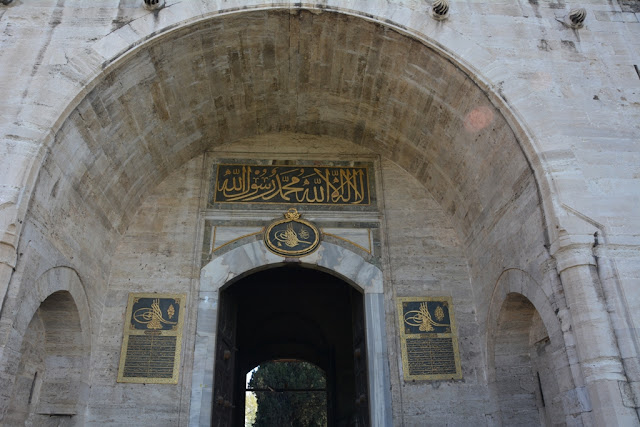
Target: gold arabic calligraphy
282,184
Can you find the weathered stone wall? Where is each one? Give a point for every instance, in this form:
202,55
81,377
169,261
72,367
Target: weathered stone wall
27,383
159,253
156,254
427,259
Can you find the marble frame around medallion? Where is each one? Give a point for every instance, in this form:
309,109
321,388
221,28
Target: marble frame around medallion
254,256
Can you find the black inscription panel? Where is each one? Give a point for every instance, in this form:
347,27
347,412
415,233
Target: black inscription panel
152,339
312,185
430,356
429,339
150,356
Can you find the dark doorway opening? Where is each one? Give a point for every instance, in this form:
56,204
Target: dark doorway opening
297,313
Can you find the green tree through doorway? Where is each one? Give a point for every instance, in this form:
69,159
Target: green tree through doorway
289,393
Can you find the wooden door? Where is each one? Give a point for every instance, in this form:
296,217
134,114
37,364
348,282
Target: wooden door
360,360
225,361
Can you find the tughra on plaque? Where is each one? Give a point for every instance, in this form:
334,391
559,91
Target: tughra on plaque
152,339
292,236
429,338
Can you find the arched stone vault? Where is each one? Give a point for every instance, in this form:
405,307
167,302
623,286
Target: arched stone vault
326,73
235,75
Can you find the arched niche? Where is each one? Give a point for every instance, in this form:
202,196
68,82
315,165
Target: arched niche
529,369
51,369
252,257
525,384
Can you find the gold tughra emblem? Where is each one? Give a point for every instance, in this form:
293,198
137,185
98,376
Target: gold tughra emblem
422,318
292,236
152,339
152,316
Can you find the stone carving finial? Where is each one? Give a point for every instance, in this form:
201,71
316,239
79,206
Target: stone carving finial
440,9
576,17
153,4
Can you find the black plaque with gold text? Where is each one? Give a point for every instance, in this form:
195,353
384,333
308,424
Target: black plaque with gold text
429,339
152,339
292,184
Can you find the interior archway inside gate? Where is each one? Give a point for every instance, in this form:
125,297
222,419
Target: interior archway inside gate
292,312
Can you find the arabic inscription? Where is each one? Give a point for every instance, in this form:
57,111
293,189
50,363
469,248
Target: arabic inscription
321,185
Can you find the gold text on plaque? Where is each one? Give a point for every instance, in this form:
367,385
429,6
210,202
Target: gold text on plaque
324,185
422,318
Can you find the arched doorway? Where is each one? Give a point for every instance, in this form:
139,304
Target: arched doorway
352,279
297,313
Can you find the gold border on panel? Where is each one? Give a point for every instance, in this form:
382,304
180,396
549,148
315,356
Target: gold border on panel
351,241
253,195
425,334
175,331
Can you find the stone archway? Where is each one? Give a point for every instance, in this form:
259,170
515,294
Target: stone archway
283,70
49,381
525,380
292,312
252,257
530,366
51,366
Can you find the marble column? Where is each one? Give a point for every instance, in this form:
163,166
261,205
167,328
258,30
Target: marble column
596,344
